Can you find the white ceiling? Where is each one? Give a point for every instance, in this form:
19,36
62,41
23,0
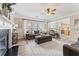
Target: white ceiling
34,10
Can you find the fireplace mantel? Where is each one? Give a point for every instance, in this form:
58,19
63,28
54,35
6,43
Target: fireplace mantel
5,23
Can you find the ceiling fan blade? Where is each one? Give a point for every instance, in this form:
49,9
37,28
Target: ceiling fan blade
53,10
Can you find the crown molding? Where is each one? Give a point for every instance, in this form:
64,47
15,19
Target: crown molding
62,17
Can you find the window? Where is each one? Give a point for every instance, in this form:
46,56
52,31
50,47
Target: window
31,26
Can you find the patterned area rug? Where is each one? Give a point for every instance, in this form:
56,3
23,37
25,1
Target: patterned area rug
50,48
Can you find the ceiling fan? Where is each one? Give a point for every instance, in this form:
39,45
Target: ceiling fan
49,11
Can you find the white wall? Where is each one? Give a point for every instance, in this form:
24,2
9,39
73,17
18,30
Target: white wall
56,24
20,27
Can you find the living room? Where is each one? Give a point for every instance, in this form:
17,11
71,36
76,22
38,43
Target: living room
40,29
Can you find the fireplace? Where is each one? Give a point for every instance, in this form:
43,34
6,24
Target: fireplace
4,33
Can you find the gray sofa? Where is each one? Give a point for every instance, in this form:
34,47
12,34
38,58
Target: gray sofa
71,50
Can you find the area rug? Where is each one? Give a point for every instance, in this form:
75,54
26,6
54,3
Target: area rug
50,48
